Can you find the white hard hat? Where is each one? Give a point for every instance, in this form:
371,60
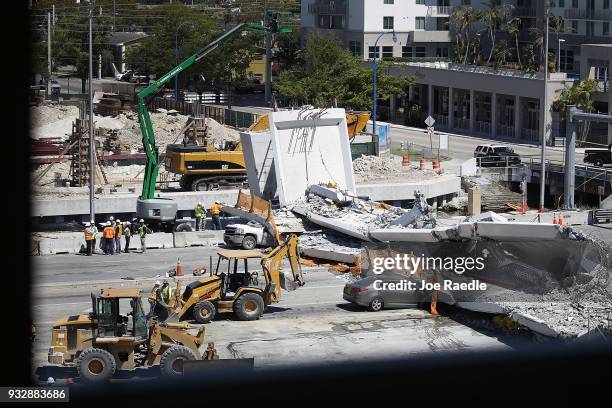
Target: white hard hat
50,380
92,221
111,218
118,220
199,203
141,220
127,223
157,282
217,202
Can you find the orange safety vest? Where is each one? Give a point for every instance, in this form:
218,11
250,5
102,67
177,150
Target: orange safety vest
108,232
88,235
119,230
215,209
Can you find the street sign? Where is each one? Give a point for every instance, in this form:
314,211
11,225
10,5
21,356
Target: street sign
443,141
430,121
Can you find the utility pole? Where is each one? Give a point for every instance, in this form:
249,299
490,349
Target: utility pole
92,212
49,53
114,15
545,109
268,40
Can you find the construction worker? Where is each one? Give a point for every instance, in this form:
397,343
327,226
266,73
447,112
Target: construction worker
108,234
143,231
90,237
127,233
200,214
89,242
118,234
215,212
153,299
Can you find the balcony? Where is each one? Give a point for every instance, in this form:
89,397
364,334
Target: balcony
439,11
426,36
587,14
328,7
603,86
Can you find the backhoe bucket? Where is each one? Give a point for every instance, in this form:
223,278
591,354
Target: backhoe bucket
287,282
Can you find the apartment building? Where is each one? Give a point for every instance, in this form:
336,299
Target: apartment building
421,26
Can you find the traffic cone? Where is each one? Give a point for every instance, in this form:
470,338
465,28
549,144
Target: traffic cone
405,160
554,218
560,222
422,164
179,268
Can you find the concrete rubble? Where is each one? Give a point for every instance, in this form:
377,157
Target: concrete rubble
336,223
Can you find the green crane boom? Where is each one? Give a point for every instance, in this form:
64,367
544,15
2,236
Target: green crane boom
144,118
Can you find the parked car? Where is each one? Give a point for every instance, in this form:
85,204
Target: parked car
496,155
367,293
598,157
247,236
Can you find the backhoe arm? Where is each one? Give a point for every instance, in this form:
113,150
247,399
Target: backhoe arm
272,264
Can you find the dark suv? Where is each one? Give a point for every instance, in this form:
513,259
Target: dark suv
496,156
598,157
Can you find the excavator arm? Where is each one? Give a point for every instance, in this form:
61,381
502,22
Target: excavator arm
144,118
272,264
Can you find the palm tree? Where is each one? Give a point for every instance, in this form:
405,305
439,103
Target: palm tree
470,17
537,40
502,53
493,16
512,27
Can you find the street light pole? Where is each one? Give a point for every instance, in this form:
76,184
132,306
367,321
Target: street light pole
559,55
545,109
374,69
92,212
176,50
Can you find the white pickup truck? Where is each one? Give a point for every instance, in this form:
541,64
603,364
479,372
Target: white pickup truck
247,236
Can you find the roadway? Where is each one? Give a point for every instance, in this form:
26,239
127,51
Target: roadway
312,324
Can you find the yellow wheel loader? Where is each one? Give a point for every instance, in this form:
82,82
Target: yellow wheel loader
106,340
240,292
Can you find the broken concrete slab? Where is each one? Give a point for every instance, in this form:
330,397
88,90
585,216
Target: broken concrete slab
259,162
331,223
348,258
310,146
517,231
404,235
438,187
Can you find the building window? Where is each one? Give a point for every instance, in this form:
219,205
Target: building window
466,2
574,3
442,23
388,23
605,31
331,22
355,47
406,52
420,1
373,52
567,60
590,28
442,52
419,23
420,52
387,52
606,4
388,1
561,3
574,27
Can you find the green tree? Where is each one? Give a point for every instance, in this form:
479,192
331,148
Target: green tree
512,27
502,53
462,21
221,68
493,16
330,72
580,94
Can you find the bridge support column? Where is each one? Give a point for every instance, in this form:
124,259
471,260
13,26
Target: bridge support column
569,182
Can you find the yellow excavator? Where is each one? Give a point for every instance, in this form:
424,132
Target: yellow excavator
205,167
105,340
240,292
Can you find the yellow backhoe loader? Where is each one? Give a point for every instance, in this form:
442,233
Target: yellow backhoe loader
240,292
106,340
